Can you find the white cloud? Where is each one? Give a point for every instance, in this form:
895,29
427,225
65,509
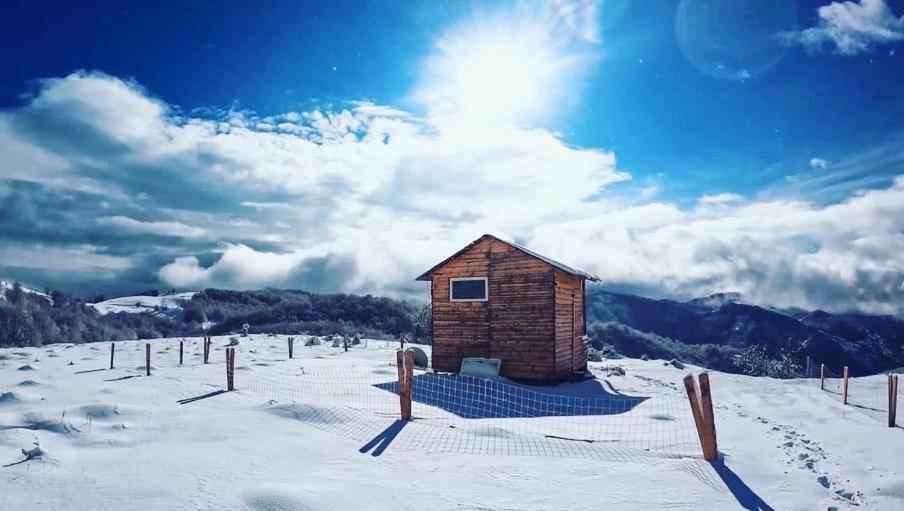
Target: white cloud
130,225
365,176
841,257
239,266
851,28
242,267
100,100
366,198
580,17
818,163
186,273
844,256
719,198
717,203
648,192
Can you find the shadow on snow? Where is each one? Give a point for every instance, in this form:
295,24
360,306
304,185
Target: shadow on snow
483,398
380,442
747,498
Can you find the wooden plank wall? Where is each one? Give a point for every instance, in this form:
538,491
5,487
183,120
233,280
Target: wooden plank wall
569,313
521,307
515,325
460,329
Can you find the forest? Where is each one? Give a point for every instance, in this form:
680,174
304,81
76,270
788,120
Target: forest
29,319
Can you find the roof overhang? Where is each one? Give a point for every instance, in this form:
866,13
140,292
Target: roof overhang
567,269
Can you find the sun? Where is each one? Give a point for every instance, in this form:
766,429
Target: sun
519,65
493,73
497,80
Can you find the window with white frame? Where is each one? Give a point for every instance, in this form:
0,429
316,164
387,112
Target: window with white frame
468,289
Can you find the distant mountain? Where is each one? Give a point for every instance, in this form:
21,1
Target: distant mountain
714,301
867,344
169,306
713,331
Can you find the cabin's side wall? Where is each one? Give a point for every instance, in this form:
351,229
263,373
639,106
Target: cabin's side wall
570,353
460,329
521,313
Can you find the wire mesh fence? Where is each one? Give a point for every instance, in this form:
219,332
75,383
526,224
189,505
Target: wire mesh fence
164,353
873,394
359,398
168,353
474,415
833,382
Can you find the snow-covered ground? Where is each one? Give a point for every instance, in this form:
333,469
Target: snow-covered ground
319,432
164,305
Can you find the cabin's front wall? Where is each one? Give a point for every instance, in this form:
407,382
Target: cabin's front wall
515,324
460,329
571,354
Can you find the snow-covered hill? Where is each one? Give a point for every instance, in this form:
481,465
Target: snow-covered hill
5,285
164,305
286,439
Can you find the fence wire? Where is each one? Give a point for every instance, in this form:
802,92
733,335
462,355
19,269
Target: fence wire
450,413
474,415
131,355
834,382
870,394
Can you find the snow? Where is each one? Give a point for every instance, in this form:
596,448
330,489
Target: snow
164,305
75,435
4,285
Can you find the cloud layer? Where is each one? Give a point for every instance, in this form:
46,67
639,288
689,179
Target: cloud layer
106,188
849,28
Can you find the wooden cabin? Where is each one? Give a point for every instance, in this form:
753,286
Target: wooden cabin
496,299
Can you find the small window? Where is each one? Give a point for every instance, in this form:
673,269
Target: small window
468,289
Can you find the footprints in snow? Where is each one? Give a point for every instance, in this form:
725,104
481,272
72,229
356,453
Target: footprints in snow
806,454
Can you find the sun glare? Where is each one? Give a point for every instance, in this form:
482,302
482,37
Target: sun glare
498,80
499,70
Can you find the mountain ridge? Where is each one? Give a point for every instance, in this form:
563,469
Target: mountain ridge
863,342
716,331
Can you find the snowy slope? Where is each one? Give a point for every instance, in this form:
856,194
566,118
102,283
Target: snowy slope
4,285
165,305
284,440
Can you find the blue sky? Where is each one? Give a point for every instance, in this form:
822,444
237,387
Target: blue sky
641,97
619,123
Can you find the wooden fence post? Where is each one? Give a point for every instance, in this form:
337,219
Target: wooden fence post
180,352
112,350
230,369
401,342
892,400
147,358
845,386
405,362
291,345
709,418
400,366
822,376
206,349
700,398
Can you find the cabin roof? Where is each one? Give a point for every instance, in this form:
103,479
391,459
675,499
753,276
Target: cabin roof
563,267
